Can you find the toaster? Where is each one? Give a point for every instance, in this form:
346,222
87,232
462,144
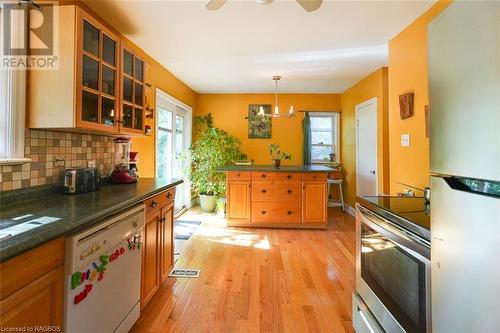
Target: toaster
81,180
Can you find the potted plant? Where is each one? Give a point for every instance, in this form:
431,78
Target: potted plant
278,155
212,149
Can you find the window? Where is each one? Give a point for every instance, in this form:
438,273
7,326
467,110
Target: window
324,136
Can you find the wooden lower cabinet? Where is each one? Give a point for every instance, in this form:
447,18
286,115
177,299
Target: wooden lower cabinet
314,202
40,303
238,201
32,288
157,254
277,199
150,262
167,241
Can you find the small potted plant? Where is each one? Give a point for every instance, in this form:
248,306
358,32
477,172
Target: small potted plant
278,155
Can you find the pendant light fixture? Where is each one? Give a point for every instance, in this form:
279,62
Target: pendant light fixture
276,113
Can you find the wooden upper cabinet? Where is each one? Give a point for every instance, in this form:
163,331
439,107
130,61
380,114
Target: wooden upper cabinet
97,86
314,202
132,92
97,67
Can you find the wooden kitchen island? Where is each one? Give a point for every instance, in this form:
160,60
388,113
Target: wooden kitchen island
287,197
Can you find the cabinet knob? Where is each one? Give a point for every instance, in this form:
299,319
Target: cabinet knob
163,219
153,204
289,176
289,191
289,212
263,212
169,195
263,175
264,191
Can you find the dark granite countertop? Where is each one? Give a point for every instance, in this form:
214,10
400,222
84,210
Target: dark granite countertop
411,213
270,168
71,212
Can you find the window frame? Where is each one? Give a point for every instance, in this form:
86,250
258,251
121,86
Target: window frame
335,119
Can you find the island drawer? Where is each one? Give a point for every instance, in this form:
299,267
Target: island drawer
314,176
279,175
263,190
239,175
272,212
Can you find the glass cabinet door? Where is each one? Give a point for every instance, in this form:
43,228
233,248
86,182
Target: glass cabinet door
132,93
99,70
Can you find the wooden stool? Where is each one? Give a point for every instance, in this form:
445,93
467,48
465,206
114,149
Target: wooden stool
335,203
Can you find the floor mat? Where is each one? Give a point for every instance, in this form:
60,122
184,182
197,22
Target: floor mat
184,273
184,229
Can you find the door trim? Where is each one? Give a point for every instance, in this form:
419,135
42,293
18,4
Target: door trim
188,123
359,106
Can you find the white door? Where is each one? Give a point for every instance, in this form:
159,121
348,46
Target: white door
366,148
173,128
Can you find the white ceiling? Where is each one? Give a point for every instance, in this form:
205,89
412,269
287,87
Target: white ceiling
241,46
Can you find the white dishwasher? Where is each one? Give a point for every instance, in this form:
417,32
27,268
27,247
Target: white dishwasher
103,275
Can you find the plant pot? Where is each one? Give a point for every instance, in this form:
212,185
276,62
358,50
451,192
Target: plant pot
208,202
221,206
276,163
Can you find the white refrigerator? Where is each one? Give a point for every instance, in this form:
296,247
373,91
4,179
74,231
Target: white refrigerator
464,101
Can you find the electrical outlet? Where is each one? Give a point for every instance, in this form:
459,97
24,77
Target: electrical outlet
405,140
59,160
91,164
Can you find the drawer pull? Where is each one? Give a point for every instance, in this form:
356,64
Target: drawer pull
169,195
263,212
264,191
153,204
263,175
289,212
289,176
289,191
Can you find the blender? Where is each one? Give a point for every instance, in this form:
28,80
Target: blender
122,172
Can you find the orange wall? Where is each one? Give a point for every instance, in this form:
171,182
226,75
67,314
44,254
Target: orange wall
229,112
374,85
408,73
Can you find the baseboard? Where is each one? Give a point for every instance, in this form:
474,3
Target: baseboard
350,210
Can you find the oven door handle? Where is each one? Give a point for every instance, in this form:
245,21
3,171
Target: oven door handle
407,242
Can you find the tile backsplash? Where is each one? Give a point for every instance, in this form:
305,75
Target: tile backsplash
53,152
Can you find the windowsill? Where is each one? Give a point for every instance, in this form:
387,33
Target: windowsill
14,161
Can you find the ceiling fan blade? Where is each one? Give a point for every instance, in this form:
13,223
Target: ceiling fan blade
310,5
215,4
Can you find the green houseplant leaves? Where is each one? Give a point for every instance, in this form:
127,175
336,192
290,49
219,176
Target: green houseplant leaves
211,150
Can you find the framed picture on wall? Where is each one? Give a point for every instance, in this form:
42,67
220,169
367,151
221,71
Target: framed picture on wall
259,126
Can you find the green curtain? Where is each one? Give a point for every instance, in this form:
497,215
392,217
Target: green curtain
306,146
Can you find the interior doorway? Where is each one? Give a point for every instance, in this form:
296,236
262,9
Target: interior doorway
367,148
173,137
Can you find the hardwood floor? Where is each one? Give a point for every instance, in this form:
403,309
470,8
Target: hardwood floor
259,280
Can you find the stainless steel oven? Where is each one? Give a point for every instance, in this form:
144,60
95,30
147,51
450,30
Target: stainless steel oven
392,275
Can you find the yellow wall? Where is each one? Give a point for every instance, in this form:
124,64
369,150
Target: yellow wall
229,112
408,73
374,85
